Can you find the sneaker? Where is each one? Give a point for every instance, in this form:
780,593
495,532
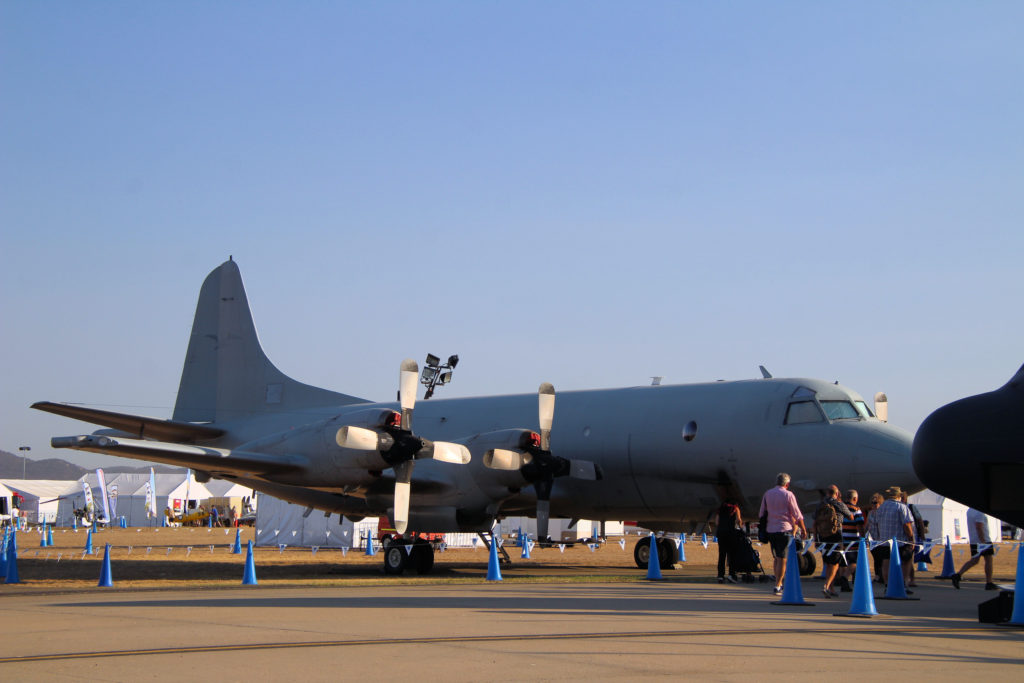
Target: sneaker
731,579
956,581
991,587
721,580
777,590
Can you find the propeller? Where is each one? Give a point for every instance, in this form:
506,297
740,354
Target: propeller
536,462
398,446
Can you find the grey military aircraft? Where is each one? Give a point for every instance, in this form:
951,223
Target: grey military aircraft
661,455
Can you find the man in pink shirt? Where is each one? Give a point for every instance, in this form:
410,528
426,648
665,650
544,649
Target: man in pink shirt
783,517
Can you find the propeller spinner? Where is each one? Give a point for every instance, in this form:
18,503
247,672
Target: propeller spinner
536,462
398,446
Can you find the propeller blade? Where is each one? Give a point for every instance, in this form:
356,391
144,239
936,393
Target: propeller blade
546,406
583,469
502,459
357,438
403,475
543,515
408,378
454,453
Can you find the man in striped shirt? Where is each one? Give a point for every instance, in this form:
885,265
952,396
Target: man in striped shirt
852,530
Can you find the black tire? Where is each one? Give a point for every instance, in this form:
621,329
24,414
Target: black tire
423,558
395,560
807,564
642,552
668,553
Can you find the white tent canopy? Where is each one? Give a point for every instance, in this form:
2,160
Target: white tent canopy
278,522
174,490
41,497
947,517
6,504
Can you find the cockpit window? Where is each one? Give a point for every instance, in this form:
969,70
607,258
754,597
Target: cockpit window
863,409
803,412
840,410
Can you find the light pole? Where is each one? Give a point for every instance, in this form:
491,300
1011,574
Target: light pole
24,456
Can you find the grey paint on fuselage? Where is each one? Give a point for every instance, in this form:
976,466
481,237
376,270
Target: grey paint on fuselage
650,473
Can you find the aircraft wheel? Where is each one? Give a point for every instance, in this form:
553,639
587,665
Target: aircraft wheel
642,552
395,559
807,564
668,554
423,558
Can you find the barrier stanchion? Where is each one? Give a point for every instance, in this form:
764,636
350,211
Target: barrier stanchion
653,562
863,602
792,593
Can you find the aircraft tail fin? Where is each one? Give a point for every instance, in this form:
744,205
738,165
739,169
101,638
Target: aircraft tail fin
226,374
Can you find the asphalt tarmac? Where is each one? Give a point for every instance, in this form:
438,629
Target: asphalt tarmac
498,631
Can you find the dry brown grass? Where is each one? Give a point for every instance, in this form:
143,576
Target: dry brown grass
140,559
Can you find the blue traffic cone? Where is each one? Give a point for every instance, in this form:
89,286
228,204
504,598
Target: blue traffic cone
1017,617
863,602
3,554
42,537
209,521
249,577
12,560
947,561
526,548
236,549
106,579
493,570
88,543
792,593
49,536
682,548
74,522
370,550
653,563
895,590
704,540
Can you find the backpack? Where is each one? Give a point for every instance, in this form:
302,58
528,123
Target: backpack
827,521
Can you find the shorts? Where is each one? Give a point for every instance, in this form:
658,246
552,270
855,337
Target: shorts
835,555
906,552
987,552
779,541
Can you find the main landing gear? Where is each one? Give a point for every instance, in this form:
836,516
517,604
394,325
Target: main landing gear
401,554
668,553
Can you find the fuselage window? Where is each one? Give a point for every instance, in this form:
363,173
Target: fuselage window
803,412
863,409
840,410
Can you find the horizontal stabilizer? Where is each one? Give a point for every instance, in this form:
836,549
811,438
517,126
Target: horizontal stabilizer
142,427
213,460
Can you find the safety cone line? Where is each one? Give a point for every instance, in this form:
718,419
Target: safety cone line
249,576
863,602
895,590
106,578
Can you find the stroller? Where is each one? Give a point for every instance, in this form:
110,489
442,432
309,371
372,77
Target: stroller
745,560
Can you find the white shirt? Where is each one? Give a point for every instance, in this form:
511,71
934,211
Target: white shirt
974,518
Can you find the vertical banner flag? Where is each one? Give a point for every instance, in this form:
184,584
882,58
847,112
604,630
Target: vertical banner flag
151,495
105,519
90,504
113,501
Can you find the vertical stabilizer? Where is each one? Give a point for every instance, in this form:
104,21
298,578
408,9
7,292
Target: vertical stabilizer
226,374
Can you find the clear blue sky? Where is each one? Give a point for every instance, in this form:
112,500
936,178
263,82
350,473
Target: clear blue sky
587,193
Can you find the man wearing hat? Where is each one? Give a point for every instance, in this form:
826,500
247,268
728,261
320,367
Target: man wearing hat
893,520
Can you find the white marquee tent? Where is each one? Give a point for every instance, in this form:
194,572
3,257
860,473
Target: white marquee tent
172,490
41,497
278,522
947,517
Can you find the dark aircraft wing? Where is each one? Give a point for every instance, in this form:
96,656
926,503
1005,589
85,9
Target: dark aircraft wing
213,460
141,427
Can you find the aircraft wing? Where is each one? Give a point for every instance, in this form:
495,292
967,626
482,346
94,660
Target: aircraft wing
142,427
213,460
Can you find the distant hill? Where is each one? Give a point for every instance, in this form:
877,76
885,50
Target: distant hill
55,468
